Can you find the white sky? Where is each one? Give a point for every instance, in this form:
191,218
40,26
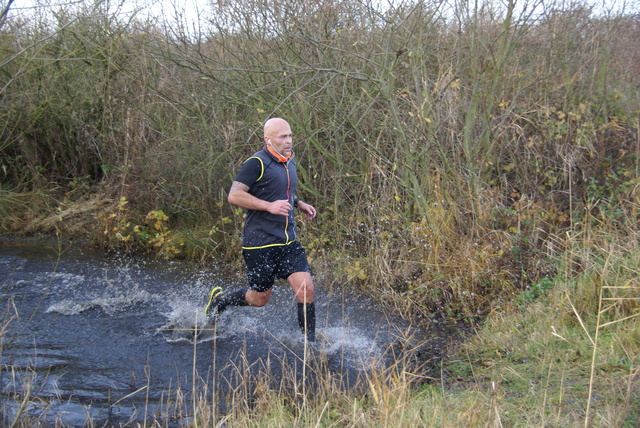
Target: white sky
190,9
161,8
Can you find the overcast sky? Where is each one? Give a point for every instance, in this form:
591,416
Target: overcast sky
161,8
189,9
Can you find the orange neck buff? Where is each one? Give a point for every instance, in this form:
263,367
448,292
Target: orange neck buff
276,154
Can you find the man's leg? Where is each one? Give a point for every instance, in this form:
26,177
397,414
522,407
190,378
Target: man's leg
238,297
260,278
302,286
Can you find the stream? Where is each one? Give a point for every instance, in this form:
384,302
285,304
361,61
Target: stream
101,340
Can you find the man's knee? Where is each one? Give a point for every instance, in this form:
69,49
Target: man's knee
305,295
302,285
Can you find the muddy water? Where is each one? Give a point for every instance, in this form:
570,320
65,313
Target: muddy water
107,339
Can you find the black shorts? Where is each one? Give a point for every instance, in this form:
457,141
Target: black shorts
265,264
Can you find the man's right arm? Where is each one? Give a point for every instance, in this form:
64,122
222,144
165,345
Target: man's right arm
239,196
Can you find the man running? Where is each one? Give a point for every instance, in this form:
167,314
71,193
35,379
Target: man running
266,188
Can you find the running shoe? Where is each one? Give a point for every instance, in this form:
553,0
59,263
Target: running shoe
214,299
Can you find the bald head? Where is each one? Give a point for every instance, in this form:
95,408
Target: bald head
277,133
274,125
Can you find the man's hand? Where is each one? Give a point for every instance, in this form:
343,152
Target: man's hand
281,207
307,209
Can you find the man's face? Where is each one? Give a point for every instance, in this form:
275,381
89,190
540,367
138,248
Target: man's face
279,136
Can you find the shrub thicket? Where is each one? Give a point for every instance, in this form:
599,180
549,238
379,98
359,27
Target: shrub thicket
449,149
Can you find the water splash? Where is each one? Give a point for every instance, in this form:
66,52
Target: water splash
110,301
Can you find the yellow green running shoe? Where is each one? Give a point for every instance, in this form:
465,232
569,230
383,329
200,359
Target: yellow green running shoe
213,300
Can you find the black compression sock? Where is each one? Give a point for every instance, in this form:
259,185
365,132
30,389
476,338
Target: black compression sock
311,320
236,297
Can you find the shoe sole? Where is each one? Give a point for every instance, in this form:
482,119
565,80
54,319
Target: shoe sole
217,291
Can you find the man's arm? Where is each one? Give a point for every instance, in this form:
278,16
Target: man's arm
239,196
307,209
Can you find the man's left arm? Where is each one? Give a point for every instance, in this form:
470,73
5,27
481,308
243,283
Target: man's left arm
306,208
